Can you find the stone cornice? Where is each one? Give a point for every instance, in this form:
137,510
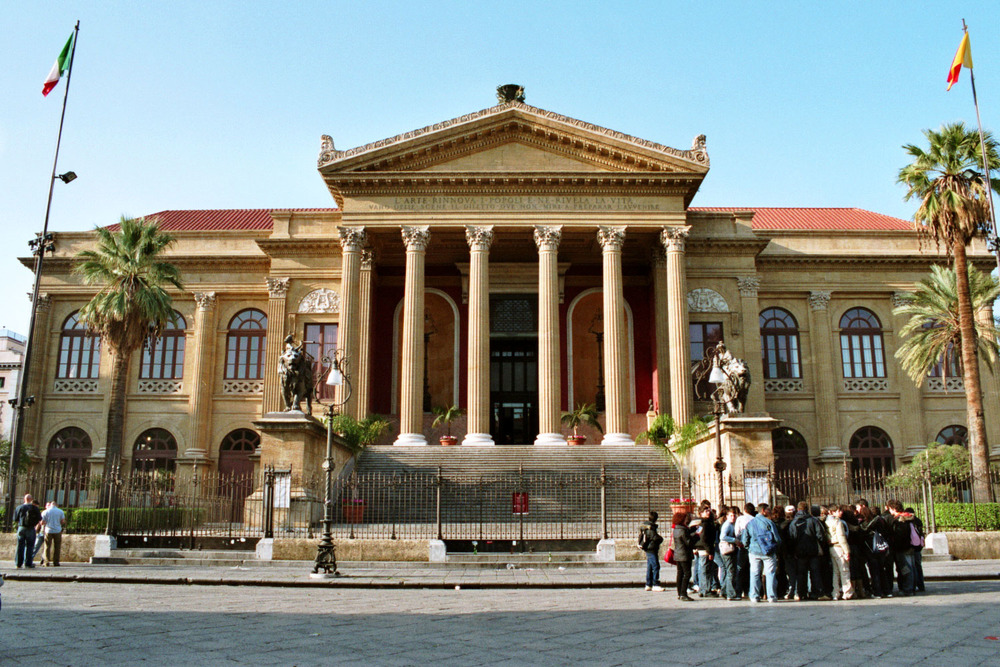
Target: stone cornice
743,246
208,264
570,182
519,118
301,247
829,261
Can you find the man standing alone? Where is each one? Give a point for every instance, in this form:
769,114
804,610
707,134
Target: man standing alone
650,541
53,519
26,518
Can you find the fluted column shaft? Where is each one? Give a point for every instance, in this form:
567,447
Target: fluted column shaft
411,415
681,390
200,383
352,241
823,364
549,381
277,290
362,367
478,430
662,331
612,238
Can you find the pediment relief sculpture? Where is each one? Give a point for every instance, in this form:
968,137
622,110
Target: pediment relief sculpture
706,300
320,300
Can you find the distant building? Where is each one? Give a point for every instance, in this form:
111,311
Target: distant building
11,357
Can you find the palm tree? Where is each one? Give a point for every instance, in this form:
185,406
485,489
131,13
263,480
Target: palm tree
132,304
931,334
947,178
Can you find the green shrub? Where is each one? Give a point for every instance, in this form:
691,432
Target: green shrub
959,516
85,520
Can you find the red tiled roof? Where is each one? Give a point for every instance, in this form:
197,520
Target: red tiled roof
231,219
851,219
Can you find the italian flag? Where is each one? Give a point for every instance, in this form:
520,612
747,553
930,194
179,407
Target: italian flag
59,68
963,58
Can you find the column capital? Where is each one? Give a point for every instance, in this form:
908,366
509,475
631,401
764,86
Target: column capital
205,300
44,300
819,300
749,286
548,237
367,259
900,299
479,237
277,288
673,238
352,239
416,238
611,237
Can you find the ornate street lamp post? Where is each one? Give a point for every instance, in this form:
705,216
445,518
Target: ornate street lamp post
335,375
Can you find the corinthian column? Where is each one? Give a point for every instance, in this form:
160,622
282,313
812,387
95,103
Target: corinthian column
411,415
478,431
362,368
277,292
820,336
352,240
200,385
681,399
612,239
661,328
549,400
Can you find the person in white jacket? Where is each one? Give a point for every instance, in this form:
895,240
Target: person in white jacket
840,555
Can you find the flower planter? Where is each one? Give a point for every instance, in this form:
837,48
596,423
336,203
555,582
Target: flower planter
354,511
576,439
686,505
448,440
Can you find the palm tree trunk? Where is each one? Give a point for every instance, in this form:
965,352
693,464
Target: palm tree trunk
116,407
978,447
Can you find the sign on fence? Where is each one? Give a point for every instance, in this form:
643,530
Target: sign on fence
283,489
519,501
755,486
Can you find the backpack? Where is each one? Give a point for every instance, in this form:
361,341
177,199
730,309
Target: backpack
765,538
915,539
878,545
649,540
806,542
31,517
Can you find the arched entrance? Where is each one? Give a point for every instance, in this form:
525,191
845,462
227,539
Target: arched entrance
236,480
67,470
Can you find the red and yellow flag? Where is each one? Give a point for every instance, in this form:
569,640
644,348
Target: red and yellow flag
963,57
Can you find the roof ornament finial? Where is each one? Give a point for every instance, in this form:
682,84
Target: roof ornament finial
510,92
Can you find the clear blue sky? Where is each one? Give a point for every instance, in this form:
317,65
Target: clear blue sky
221,104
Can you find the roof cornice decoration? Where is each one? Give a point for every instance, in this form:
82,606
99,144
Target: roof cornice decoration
697,156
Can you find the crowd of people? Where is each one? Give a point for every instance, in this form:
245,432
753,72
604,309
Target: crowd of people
798,552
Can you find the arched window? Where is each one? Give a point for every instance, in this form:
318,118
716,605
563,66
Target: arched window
953,435
163,357
779,342
245,345
791,453
67,470
79,351
154,449
861,346
871,454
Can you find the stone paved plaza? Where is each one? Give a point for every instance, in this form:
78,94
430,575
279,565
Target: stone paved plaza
118,624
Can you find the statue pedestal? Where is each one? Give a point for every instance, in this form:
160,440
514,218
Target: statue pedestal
749,457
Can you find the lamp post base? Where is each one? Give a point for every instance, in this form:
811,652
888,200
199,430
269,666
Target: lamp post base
326,560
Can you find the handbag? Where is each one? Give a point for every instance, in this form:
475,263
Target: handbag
669,556
878,544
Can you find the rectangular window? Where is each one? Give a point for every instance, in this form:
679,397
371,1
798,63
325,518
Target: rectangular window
321,341
704,335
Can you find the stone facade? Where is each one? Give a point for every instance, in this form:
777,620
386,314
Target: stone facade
514,262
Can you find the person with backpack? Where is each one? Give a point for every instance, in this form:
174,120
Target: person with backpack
876,550
650,541
903,539
26,518
808,535
762,540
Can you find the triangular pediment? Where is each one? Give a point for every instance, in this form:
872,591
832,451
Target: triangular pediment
512,138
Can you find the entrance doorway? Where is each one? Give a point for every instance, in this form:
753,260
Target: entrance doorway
513,369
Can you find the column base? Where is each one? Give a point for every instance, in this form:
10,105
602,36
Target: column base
478,440
549,439
617,439
410,440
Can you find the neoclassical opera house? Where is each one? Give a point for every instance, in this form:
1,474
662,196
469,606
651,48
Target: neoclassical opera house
514,262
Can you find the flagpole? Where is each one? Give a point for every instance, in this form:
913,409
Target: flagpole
39,246
992,241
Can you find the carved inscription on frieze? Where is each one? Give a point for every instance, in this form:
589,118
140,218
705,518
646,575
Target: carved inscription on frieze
511,203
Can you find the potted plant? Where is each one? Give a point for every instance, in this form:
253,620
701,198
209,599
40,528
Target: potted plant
358,434
354,510
585,413
446,415
675,441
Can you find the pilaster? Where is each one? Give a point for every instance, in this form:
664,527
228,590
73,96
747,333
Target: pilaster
277,291
821,340
749,288
910,428
661,324
201,382
362,368
37,377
